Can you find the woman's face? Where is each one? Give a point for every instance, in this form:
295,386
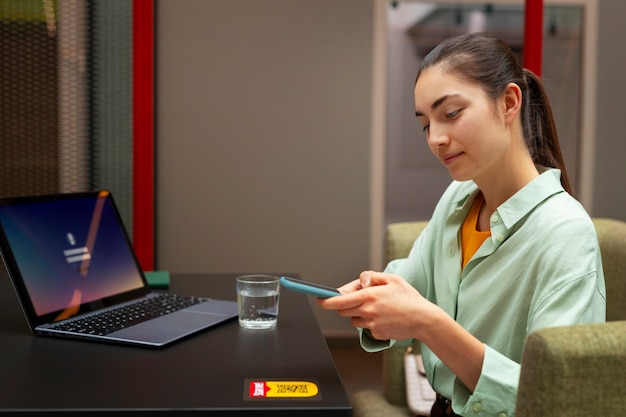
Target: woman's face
465,129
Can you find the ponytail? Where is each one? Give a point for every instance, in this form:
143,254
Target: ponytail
539,128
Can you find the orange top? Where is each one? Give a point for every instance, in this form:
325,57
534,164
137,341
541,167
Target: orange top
471,238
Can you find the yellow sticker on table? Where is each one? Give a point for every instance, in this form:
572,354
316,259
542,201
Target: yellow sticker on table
282,389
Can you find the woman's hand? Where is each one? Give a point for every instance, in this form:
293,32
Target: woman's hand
390,308
385,304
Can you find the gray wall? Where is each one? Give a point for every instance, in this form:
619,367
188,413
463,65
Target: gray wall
264,130
263,138
610,152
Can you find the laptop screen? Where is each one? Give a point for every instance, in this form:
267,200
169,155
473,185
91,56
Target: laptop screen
69,251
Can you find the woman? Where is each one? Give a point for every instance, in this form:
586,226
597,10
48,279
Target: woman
508,249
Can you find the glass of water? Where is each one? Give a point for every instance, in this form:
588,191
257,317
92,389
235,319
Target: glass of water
257,299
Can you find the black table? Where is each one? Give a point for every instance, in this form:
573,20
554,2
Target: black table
207,374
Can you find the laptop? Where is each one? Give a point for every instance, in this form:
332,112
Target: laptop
76,275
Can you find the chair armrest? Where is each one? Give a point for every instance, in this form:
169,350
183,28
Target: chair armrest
574,371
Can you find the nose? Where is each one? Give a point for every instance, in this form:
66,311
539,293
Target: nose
437,137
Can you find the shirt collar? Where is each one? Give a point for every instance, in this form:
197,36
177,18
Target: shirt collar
521,203
530,196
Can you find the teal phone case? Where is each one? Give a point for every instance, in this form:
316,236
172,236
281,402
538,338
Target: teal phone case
308,288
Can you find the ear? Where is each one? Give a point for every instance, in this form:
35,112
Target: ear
512,102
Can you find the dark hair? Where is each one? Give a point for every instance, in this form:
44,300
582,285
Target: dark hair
484,59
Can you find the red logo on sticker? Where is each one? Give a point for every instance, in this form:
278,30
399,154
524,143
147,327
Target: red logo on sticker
258,389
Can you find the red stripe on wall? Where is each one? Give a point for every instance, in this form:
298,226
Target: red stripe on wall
143,132
533,35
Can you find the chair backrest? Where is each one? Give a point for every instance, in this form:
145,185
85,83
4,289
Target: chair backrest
400,239
612,238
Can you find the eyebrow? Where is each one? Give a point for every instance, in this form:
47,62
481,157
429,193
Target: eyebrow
437,103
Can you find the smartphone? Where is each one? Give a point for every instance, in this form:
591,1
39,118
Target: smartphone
309,288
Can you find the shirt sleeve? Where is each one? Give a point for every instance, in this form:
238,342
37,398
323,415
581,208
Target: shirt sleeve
582,300
369,344
495,392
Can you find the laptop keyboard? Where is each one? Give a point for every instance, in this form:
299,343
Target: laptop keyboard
118,318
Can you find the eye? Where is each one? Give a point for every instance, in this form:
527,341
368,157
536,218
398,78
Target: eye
426,128
453,114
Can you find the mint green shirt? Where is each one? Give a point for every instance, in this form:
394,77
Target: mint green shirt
540,268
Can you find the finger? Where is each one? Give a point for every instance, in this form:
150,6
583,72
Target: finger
350,287
365,278
343,302
357,322
362,323
380,278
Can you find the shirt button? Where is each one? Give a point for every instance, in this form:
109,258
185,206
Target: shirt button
495,218
499,238
502,415
477,407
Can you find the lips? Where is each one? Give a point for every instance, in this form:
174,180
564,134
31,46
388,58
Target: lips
450,157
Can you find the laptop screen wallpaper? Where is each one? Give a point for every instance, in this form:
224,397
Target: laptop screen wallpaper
69,252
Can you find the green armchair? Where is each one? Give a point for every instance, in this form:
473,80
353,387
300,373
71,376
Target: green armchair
566,371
